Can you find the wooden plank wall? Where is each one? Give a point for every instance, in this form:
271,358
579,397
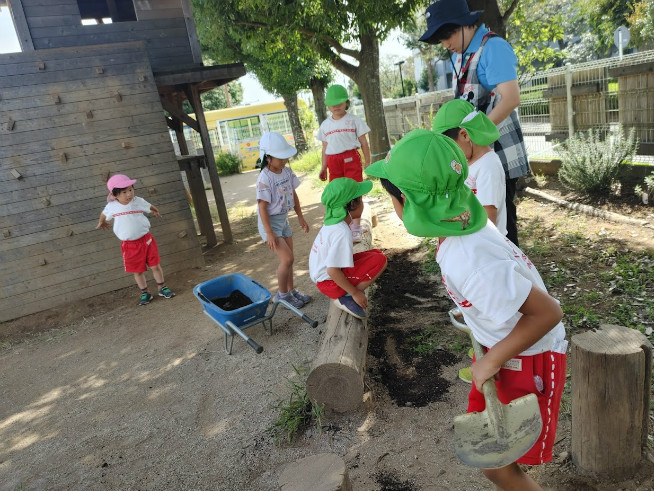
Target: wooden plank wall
69,118
57,24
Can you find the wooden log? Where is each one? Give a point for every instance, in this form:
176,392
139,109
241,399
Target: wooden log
322,472
610,400
336,378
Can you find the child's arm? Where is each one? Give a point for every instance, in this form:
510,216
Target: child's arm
338,277
298,212
271,239
155,211
491,211
102,222
323,169
365,148
540,314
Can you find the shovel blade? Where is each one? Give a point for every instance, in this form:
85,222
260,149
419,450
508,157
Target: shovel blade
479,443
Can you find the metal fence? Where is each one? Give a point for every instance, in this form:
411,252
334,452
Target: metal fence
599,95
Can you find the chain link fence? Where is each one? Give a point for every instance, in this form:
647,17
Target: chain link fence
555,104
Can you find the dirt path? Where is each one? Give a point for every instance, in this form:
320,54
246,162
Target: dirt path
115,396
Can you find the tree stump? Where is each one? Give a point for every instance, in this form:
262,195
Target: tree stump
610,400
322,472
336,378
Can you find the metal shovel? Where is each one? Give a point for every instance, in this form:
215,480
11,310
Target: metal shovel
501,433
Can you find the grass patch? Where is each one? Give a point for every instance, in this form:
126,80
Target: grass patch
435,338
296,414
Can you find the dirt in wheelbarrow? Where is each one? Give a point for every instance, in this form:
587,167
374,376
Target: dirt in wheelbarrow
104,394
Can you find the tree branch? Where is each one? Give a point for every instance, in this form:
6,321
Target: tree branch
509,11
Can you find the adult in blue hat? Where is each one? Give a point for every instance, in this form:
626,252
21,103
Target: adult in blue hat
485,74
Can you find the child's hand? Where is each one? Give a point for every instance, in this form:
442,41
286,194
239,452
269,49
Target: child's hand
155,211
323,174
102,224
483,370
304,224
271,241
360,298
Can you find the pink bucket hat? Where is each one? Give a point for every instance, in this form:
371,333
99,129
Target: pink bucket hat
120,181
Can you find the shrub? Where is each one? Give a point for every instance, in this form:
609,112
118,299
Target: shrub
590,164
227,164
646,192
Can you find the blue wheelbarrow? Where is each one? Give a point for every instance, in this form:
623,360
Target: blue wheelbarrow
237,320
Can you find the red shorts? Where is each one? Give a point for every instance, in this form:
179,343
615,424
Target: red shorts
543,375
346,164
140,253
366,265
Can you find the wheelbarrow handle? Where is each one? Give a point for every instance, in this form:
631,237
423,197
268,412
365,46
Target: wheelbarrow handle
309,320
258,348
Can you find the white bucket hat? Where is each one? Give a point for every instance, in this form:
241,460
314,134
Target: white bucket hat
275,145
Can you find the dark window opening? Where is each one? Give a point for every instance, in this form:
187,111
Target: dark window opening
106,11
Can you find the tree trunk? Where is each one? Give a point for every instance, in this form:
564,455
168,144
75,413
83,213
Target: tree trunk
290,101
430,74
367,78
318,91
491,16
610,400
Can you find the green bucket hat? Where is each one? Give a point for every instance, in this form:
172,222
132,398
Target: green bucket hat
336,94
430,170
339,193
458,113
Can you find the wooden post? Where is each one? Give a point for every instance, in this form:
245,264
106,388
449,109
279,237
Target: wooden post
336,378
194,98
610,400
195,182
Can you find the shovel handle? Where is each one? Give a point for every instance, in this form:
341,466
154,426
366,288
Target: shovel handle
494,407
493,404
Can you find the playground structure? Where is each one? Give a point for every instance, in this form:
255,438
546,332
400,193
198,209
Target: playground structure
84,100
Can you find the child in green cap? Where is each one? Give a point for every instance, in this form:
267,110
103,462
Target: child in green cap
474,133
334,268
342,135
503,298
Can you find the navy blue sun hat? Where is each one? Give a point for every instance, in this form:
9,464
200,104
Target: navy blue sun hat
444,12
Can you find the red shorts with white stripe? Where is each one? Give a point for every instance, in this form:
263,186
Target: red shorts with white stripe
140,253
366,265
543,375
346,164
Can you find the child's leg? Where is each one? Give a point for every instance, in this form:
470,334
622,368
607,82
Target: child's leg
285,268
289,277
511,477
158,274
141,281
373,262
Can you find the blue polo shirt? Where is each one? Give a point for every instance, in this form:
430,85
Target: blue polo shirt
498,61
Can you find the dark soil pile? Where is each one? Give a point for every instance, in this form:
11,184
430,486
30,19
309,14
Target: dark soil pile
404,305
236,300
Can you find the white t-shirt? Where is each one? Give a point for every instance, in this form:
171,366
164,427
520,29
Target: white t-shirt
129,221
342,134
486,179
489,278
277,190
333,248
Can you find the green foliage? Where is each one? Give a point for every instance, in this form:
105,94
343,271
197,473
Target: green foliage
641,21
216,98
307,117
423,83
603,17
534,26
308,162
295,414
435,338
647,189
590,163
227,164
